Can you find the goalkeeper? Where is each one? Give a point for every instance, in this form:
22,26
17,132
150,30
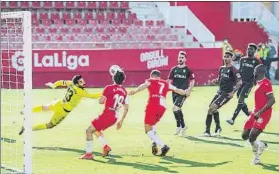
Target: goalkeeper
61,108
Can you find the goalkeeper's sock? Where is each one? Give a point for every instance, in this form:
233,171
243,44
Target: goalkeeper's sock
38,108
89,146
39,127
102,140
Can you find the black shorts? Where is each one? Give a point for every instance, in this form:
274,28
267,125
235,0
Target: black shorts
178,100
220,99
244,90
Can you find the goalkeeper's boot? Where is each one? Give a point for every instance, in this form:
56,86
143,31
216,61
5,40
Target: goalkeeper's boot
106,150
154,148
87,156
164,150
21,131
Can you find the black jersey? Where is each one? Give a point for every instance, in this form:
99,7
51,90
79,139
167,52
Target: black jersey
246,69
228,76
181,77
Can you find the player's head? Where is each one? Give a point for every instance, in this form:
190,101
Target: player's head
155,74
228,57
78,81
259,72
251,50
181,57
119,77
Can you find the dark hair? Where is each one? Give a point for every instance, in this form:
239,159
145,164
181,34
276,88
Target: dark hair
229,53
155,73
76,78
253,46
119,77
183,53
260,69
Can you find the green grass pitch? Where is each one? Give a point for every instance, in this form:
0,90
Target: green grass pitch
57,150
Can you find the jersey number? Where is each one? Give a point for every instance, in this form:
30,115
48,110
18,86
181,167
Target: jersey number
69,95
162,85
118,99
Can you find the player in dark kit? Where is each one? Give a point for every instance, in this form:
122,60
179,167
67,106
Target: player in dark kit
256,123
246,70
229,81
183,78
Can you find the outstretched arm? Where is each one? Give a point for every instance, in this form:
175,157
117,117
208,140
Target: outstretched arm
59,83
140,88
89,95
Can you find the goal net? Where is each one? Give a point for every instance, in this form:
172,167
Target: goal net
16,86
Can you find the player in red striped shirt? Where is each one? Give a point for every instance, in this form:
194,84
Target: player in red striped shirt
257,121
156,107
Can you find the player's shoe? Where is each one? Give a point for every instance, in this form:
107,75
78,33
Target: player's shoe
106,150
256,160
261,148
154,149
206,134
217,132
231,122
183,131
164,150
21,131
177,131
50,85
87,156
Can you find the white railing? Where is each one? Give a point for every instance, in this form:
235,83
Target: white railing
256,11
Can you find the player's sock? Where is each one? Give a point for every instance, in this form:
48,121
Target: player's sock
217,120
89,146
39,127
237,110
38,108
208,123
182,122
102,140
245,109
177,118
152,135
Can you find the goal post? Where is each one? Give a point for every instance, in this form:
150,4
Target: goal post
16,92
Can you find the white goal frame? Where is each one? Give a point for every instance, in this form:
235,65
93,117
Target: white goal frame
27,76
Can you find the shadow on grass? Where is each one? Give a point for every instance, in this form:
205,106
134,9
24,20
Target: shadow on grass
8,140
269,133
212,142
238,139
189,163
138,165
71,150
271,167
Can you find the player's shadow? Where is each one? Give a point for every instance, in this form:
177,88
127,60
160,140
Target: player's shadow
191,138
271,167
138,165
71,150
241,140
190,163
268,133
8,140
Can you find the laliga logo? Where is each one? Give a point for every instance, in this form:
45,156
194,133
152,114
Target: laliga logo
18,61
154,59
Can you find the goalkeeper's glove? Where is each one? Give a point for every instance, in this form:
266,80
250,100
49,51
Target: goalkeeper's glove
50,85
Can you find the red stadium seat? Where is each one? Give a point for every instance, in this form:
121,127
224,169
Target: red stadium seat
81,4
4,4
58,22
76,30
122,30
124,5
100,30
149,23
128,37
104,22
88,15
91,5
52,30
126,22
36,4
157,45
23,4
58,37
93,22
100,45
40,30
155,30
150,37
66,15
103,4
13,4
138,23
77,15
161,37
132,16
43,16
166,30
46,22
70,22
121,16
105,38
69,37
54,16
34,16
47,37
35,22
160,23
87,30
48,4
35,38
64,29
116,22
82,22
100,16
111,30
70,4
113,5
110,15
59,4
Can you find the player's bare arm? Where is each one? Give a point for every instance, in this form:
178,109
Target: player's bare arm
190,88
140,88
180,91
120,122
58,83
270,102
102,100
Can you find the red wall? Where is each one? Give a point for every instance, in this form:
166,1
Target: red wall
216,17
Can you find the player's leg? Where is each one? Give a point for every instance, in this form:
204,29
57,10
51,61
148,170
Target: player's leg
89,143
257,145
209,117
39,108
178,112
176,116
